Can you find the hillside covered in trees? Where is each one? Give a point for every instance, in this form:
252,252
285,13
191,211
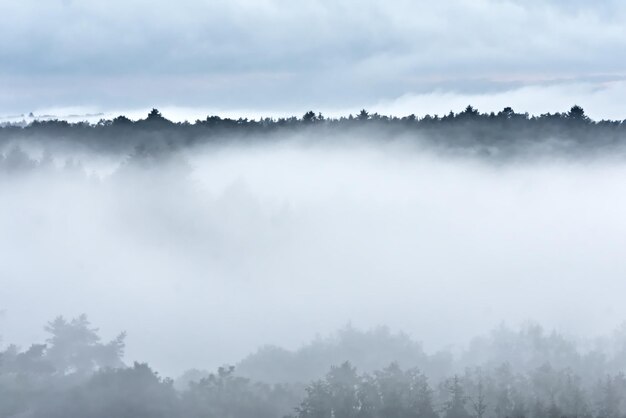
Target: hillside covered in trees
503,134
524,373
371,374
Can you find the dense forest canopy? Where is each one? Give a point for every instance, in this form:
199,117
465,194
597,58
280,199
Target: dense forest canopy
509,373
487,134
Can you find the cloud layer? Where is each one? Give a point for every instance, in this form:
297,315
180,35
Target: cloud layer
280,55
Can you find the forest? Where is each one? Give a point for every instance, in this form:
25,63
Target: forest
129,240
493,135
312,209
528,372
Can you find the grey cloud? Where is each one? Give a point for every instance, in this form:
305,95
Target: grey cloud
318,51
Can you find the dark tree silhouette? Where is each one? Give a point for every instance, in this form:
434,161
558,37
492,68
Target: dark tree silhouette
75,347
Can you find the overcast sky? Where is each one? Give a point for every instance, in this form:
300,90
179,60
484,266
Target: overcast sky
276,57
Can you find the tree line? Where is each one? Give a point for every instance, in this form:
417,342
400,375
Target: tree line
490,134
76,374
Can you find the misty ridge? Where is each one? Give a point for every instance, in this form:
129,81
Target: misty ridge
222,247
505,134
527,372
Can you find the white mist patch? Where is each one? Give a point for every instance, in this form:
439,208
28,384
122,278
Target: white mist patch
202,261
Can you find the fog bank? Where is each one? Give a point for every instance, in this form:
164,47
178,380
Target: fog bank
204,254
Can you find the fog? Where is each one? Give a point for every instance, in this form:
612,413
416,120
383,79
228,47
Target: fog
206,253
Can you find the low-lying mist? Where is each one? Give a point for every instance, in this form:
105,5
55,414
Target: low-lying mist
206,253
